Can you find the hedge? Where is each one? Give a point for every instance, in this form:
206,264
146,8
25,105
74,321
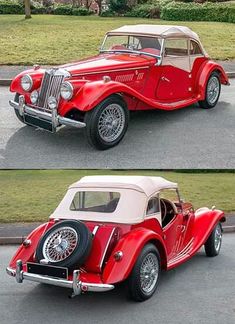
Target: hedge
198,12
151,9
14,7
10,8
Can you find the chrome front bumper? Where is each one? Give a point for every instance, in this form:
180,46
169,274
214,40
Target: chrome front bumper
53,119
76,285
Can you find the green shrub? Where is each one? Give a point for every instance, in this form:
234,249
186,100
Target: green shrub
108,13
146,10
151,9
118,6
11,7
63,10
81,11
198,12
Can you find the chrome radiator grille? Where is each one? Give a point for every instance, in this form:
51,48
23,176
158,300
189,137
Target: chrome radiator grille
50,86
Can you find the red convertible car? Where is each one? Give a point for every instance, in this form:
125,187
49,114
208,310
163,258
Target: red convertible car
139,67
109,229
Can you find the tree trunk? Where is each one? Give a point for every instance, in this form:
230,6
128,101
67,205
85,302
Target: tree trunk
27,9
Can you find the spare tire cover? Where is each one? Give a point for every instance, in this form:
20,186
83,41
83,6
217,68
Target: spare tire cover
65,244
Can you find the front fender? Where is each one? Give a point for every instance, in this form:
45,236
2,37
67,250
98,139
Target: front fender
204,73
130,245
26,253
92,93
36,75
204,224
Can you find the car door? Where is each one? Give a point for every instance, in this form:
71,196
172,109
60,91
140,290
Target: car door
173,228
175,83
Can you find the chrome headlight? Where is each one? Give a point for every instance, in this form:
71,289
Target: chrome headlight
26,82
66,90
34,97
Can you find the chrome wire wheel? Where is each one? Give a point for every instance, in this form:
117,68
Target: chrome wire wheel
149,272
218,237
111,123
213,90
60,244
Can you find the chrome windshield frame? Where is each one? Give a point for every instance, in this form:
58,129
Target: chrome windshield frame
129,51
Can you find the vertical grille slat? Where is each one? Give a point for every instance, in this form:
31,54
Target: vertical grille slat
50,86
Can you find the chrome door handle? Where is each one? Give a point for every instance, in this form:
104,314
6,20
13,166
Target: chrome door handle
165,79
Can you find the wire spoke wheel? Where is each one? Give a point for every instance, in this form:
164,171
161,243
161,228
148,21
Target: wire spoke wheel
218,238
60,244
213,90
111,122
149,272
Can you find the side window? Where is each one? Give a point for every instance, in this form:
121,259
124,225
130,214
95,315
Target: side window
153,206
176,47
195,48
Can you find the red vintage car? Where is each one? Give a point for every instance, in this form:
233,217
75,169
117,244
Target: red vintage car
139,67
109,229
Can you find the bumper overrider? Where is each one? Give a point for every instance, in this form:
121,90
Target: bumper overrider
42,119
76,284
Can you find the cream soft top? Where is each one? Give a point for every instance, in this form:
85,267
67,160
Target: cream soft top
134,194
164,31
145,184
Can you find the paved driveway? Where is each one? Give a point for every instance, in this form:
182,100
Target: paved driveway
199,291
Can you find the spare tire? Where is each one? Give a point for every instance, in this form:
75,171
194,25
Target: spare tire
65,244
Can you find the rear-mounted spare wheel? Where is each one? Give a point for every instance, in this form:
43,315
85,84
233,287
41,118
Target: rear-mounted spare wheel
65,244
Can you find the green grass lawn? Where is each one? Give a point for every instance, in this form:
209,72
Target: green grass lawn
48,39
33,195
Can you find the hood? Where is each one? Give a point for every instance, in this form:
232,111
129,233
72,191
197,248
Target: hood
108,62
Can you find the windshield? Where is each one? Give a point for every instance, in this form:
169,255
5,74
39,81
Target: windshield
142,44
95,201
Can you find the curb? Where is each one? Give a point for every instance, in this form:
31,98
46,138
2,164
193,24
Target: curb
19,240
7,82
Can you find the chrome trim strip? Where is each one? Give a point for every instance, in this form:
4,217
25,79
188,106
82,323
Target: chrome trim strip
76,285
131,52
110,71
53,118
95,230
106,247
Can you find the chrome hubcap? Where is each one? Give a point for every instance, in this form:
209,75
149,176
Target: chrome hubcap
149,272
60,244
218,237
111,122
213,90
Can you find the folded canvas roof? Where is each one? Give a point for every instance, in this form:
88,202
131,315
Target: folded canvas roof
145,184
164,31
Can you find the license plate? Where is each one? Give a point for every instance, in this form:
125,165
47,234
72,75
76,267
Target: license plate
37,122
47,270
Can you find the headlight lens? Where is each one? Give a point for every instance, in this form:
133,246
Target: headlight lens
34,97
66,90
26,82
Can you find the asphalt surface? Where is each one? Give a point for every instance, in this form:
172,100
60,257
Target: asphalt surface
199,291
186,138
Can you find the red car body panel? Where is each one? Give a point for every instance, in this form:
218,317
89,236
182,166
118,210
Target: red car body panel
174,244
136,77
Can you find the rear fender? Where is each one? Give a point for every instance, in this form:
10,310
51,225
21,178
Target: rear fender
25,253
203,76
130,246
